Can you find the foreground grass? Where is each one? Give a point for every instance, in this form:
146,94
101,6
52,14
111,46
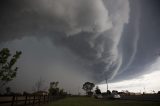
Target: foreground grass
85,101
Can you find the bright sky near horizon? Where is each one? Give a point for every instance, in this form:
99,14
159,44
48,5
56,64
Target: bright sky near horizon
144,83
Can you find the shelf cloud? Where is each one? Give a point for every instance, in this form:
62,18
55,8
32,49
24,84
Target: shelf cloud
100,38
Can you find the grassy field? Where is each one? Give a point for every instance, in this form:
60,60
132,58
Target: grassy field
85,101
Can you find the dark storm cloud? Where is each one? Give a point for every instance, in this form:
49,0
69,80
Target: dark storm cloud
90,29
148,46
103,37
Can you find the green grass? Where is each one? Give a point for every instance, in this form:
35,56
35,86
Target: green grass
86,101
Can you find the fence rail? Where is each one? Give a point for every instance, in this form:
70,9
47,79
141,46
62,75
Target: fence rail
27,100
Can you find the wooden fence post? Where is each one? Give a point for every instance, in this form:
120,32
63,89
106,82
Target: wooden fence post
25,100
39,100
48,98
33,99
13,99
44,99
16,99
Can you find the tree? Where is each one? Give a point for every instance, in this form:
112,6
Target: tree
108,92
38,85
54,90
97,91
54,84
7,70
88,86
114,92
62,93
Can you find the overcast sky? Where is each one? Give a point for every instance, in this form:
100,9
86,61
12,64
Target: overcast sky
73,41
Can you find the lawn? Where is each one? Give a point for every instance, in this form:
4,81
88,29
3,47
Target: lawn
86,101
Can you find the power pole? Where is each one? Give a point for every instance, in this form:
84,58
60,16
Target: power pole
107,83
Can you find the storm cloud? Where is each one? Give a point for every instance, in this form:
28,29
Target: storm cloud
99,38
91,29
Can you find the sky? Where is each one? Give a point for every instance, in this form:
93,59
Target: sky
73,41
147,83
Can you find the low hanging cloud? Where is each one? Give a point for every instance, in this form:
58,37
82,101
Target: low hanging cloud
91,29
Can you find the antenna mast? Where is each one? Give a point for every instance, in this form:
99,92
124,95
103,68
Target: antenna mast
107,83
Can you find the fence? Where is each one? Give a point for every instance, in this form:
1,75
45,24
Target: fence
27,100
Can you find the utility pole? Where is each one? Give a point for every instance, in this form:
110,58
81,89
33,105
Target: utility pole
107,83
